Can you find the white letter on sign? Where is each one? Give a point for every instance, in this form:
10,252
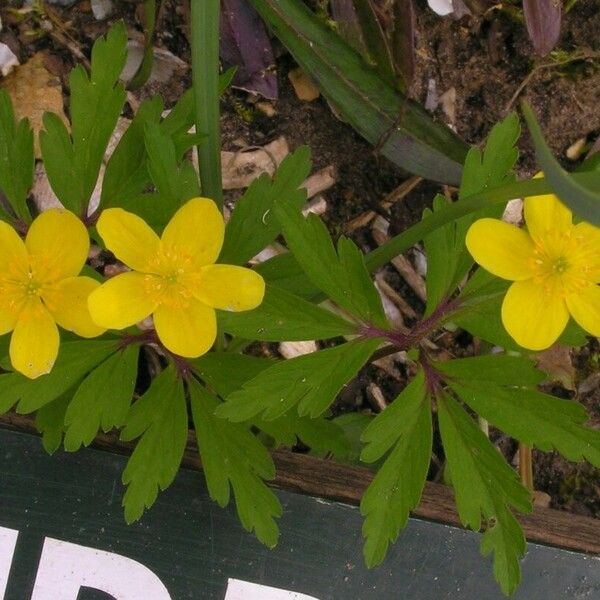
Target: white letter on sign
8,541
244,590
65,568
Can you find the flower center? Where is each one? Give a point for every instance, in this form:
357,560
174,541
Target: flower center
559,265
170,281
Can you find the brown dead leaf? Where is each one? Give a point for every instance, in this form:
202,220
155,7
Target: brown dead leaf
34,91
557,363
240,169
304,86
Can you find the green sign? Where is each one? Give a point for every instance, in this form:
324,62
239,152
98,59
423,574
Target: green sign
63,537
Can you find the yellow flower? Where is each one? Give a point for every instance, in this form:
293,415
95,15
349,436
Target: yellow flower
39,288
173,278
555,266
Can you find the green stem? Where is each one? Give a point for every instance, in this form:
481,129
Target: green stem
205,76
401,243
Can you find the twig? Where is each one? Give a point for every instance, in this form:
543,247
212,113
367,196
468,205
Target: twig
589,55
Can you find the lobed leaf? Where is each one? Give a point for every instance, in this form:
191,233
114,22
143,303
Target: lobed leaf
17,160
75,360
484,486
448,259
50,421
285,317
284,272
232,458
159,419
126,174
310,382
321,435
405,429
103,399
495,369
226,372
534,418
342,275
73,161
253,225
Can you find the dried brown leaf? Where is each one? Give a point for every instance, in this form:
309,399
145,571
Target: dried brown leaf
34,91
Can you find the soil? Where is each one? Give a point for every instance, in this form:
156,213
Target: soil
484,60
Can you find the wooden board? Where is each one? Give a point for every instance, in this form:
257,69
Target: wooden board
70,503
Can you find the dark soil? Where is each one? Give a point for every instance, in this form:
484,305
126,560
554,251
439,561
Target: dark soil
485,60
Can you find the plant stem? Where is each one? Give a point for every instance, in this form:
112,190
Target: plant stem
526,466
532,187
205,76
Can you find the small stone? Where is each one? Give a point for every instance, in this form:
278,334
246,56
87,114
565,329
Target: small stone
102,9
575,150
8,60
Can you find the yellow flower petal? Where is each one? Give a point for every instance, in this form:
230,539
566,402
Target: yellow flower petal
68,305
13,253
197,229
121,301
34,342
502,249
533,317
230,288
59,244
128,237
7,320
188,332
585,252
546,214
585,308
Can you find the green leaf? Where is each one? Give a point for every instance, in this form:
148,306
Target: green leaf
448,260
252,225
494,166
226,372
165,172
484,486
284,317
50,421
482,318
398,484
403,131
73,161
536,419
160,418
353,424
499,369
342,275
378,49
232,458
582,200
126,174
442,259
103,399
383,432
75,360
311,382
321,435
405,240
283,271
17,160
